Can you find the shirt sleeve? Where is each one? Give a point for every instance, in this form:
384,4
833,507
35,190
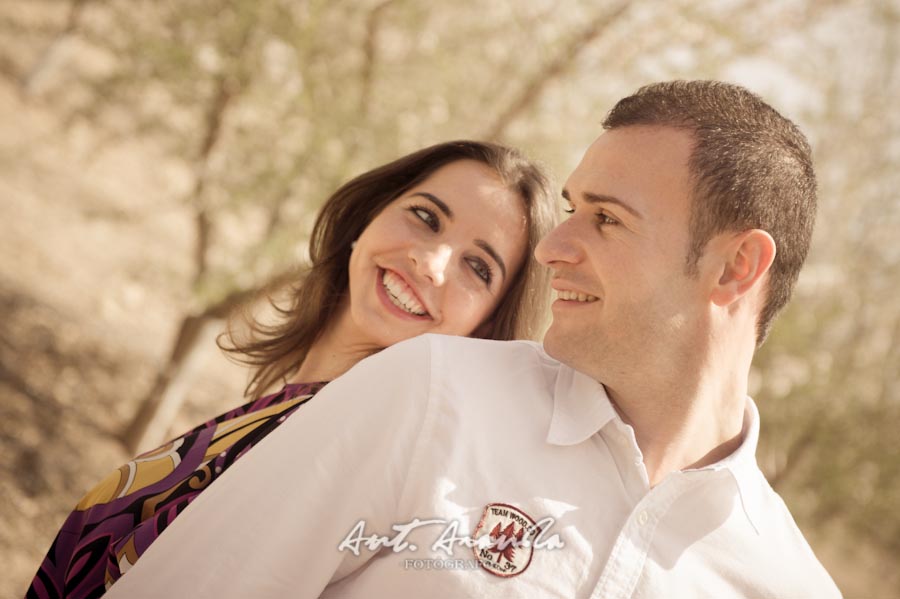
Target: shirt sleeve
272,524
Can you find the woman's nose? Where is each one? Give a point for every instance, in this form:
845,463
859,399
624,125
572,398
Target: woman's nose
431,262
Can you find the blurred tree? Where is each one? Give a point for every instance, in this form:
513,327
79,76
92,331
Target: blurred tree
829,376
271,104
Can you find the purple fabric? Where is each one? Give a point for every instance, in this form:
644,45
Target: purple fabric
98,541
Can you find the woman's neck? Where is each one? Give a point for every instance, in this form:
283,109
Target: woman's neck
334,352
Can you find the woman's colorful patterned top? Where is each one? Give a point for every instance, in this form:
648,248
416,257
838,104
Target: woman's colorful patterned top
117,520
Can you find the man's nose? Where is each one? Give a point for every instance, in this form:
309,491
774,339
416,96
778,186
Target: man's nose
431,262
559,245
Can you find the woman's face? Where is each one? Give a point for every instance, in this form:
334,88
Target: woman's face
438,259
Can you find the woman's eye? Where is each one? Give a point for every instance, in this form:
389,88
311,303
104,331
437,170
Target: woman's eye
481,269
426,216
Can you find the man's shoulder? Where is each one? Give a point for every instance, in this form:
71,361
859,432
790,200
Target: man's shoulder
465,352
474,379
433,356
783,538
490,347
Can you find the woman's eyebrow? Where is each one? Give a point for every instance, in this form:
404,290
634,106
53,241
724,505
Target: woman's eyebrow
488,248
490,251
437,202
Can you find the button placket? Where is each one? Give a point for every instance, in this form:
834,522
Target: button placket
626,561
643,518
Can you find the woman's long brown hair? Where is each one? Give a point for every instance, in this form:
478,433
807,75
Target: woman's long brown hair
277,351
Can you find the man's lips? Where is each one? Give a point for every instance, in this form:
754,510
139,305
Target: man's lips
569,293
576,296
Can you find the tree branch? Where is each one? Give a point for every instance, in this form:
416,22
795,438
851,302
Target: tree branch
55,53
226,91
370,49
553,70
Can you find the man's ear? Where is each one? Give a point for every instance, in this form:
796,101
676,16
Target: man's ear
747,257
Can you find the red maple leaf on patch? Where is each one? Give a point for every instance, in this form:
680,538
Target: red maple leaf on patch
505,542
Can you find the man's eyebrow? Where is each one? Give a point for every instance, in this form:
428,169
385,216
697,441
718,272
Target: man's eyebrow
597,198
437,202
493,254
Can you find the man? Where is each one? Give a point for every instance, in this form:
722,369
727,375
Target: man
446,466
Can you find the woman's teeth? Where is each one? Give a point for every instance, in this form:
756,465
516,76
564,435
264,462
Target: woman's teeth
575,296
400,294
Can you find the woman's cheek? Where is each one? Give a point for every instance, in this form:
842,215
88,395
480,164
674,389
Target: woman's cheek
470,309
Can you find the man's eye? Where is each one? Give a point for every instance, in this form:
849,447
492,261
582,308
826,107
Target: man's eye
481,269
427,216
605,219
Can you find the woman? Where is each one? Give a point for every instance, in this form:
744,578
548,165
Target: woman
439,241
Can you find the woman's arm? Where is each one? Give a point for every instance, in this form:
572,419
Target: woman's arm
271,525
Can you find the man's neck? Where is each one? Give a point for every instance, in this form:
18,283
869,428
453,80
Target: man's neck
688,438
683,422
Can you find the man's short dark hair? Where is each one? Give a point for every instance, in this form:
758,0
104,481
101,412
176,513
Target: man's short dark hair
752,169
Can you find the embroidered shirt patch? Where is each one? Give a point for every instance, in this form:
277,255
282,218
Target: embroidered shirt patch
505,540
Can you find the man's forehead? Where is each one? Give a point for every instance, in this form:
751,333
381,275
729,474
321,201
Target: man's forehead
635,160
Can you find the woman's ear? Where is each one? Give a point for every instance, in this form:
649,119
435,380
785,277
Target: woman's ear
747,257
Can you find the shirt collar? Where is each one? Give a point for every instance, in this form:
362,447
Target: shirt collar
580,408
742,466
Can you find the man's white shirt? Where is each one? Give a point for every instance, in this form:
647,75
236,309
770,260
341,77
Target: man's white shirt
439,428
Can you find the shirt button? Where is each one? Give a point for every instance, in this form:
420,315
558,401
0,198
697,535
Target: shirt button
643,517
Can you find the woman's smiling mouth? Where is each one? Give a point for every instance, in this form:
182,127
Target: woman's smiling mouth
401,295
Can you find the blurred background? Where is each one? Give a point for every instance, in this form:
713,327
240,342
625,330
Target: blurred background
161,160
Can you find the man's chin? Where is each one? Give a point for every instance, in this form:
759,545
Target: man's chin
574,348
554,343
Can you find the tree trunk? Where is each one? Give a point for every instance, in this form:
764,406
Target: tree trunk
196,334
154,418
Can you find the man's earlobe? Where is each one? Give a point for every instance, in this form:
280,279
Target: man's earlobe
749,255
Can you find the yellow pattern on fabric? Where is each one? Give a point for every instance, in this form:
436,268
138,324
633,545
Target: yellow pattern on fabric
140,472
153,466
231,431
